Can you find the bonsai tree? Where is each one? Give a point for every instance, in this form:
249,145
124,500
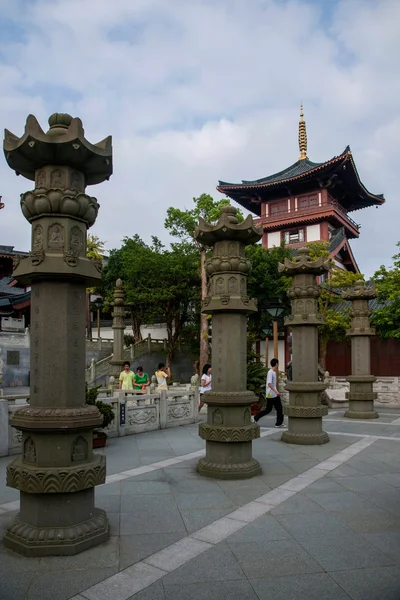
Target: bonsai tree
105,409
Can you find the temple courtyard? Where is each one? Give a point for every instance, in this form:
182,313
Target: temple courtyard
320,523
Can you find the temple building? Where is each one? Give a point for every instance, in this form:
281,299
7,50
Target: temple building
308,202
15,301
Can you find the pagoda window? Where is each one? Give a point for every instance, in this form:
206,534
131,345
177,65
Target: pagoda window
294,236
278,207
307,202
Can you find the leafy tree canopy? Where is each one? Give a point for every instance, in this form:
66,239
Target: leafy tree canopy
386,318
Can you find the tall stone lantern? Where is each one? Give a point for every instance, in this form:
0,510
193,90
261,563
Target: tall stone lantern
57,471
361,395
118,326
228,431
305,410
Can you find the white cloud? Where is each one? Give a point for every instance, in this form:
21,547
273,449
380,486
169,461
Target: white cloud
193,92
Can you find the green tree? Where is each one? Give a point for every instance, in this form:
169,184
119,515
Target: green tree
265,284
182,224
330,302
94,251
162,285
386,317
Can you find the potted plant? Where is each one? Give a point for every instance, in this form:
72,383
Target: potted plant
99,437
256,378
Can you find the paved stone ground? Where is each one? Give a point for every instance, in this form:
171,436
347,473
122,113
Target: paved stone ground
320,523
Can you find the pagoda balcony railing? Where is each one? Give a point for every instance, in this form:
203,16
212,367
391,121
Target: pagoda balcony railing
296,214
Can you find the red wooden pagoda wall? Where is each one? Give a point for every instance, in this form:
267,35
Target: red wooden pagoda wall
385,358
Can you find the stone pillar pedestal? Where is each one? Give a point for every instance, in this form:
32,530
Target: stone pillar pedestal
361,395
57,471
305,410
118,326
228,431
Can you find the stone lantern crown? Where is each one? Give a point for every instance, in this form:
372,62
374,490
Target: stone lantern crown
64,144
304,263
228,228
360,291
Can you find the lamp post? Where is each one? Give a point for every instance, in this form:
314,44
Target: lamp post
275,309
267,332
98,304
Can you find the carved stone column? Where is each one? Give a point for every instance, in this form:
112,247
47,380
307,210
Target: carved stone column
228,431
118,325
57,471
305,410
361,395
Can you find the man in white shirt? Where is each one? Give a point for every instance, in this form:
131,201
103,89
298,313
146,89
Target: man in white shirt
272,395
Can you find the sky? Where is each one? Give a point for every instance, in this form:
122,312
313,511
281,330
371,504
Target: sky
201,90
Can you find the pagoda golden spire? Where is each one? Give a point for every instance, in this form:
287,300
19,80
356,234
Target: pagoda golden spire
302,135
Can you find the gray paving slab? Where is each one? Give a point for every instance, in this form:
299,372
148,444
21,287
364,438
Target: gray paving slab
281,557
217,564
153,592
46,586
340,500
332,544
134,487
311,586
15,585
148,521
196,518
136,547
387,541
104,556
324,486
205,590
380,583
368,520
149,502
203,500
300,503
263,529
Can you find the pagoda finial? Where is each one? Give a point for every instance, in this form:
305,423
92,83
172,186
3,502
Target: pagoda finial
302,135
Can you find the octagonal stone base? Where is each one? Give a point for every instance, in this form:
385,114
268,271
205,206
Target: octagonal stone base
229,470
305,439
353,413
68,525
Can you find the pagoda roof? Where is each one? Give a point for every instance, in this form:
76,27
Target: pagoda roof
340,171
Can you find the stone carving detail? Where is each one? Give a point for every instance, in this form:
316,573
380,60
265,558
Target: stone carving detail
37,238
16,259
228,434
79,450
219,286
29,450
34,536
71,258
69,202
178,411
37,257
57,178
232,285
306,411
230,470
16,437
76,180
217,417
56,480
41,179
56,237
141,417
247,416
242,286
225,299
77,243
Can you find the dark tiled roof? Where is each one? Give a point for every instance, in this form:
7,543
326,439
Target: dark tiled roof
297,168
5,290
338,237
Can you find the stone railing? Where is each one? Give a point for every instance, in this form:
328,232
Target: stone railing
387,388
133,413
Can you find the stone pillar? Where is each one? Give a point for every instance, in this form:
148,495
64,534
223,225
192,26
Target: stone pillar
361,395
57,471
305,410
228,431
118,325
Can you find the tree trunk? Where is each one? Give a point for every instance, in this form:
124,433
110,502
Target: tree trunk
204,345
136,323
88,316
323,347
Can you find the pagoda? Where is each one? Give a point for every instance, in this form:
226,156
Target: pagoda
308,202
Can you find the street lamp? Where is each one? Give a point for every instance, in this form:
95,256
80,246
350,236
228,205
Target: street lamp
98,304
275,309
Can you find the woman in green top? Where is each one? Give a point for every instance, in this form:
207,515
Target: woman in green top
141,379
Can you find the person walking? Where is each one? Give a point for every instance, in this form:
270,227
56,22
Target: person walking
162,374
272,395
126,377
205,383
